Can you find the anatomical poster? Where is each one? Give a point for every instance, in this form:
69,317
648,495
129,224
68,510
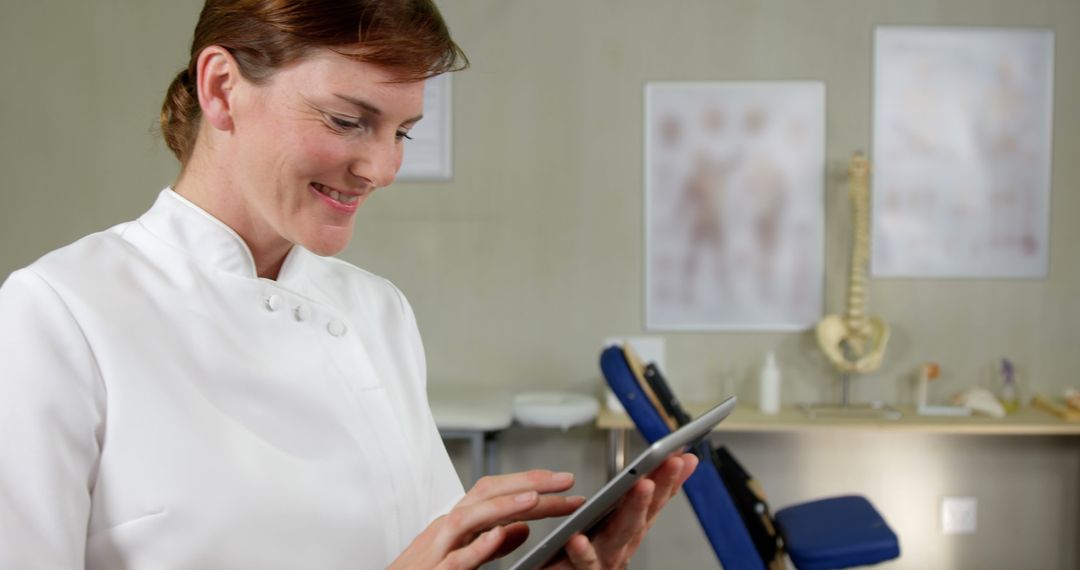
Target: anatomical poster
962,144
734,210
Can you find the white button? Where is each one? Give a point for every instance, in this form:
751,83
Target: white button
302,312
273,302
336,328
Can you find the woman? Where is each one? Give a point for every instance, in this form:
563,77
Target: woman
201,388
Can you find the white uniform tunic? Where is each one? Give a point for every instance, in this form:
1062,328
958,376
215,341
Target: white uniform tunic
163,407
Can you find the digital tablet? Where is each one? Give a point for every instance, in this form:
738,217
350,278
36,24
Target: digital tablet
600,504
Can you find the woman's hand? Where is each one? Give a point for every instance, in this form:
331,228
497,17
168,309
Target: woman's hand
488,522
622,533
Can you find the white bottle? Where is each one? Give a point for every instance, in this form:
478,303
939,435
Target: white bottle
769,397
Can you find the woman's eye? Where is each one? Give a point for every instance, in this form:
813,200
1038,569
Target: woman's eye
344,123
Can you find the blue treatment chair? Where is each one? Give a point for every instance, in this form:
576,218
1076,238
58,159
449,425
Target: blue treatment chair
838,532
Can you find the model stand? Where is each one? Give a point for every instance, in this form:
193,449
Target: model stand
847,409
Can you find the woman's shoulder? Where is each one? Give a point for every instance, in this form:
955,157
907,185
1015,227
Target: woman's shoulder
86,259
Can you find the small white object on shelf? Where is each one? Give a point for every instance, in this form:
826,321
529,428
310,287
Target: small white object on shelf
554,409
927,373
769,400
981,401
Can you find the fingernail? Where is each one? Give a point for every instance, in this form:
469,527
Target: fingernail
576,500
525,497
489,536
563,477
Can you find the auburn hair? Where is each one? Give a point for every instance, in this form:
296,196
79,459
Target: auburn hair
407,36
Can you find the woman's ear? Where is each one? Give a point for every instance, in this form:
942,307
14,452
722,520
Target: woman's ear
217,74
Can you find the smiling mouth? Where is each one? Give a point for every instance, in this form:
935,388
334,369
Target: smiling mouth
334,195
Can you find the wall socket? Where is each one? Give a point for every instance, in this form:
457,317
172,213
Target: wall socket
958,515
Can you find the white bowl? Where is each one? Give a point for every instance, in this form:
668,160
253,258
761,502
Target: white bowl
554,409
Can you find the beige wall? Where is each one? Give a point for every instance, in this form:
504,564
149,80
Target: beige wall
533,253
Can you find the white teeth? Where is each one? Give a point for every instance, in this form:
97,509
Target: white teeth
335,195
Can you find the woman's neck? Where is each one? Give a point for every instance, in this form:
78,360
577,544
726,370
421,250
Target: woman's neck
219,197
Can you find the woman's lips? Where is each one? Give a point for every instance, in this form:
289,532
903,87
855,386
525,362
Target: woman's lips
341,201
343,197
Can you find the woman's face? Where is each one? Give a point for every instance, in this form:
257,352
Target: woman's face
312,143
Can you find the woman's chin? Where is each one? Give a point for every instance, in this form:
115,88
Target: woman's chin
325,251
331,242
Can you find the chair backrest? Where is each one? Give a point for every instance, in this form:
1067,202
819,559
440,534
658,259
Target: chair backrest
709,498
745,492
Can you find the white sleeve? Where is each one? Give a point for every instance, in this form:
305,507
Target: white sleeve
52,406
442,484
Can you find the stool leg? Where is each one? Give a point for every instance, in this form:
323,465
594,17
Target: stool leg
617,443
476,447
492,448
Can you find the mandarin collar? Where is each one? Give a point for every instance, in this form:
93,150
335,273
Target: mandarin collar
184,225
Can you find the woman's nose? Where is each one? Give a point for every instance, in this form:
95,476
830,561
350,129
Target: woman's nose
378,161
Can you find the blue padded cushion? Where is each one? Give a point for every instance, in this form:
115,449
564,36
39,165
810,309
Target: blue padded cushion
711,502
622,381
839,532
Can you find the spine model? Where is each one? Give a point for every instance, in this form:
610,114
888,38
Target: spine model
854,342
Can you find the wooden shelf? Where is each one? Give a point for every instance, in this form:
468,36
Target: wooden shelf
1027,421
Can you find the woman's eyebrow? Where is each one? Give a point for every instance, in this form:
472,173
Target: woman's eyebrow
371,108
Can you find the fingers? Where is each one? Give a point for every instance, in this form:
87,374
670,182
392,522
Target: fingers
516,535
476,553
547,507
581,555
623,532
504,501
540,480
464,522
691,465
669,478
626,525
631,517
488,522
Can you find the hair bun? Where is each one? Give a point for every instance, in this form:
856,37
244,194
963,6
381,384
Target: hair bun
180,115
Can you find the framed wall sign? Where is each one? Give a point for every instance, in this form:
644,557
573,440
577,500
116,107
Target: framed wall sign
428,155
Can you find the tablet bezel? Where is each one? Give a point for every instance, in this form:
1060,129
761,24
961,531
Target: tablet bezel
604,500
